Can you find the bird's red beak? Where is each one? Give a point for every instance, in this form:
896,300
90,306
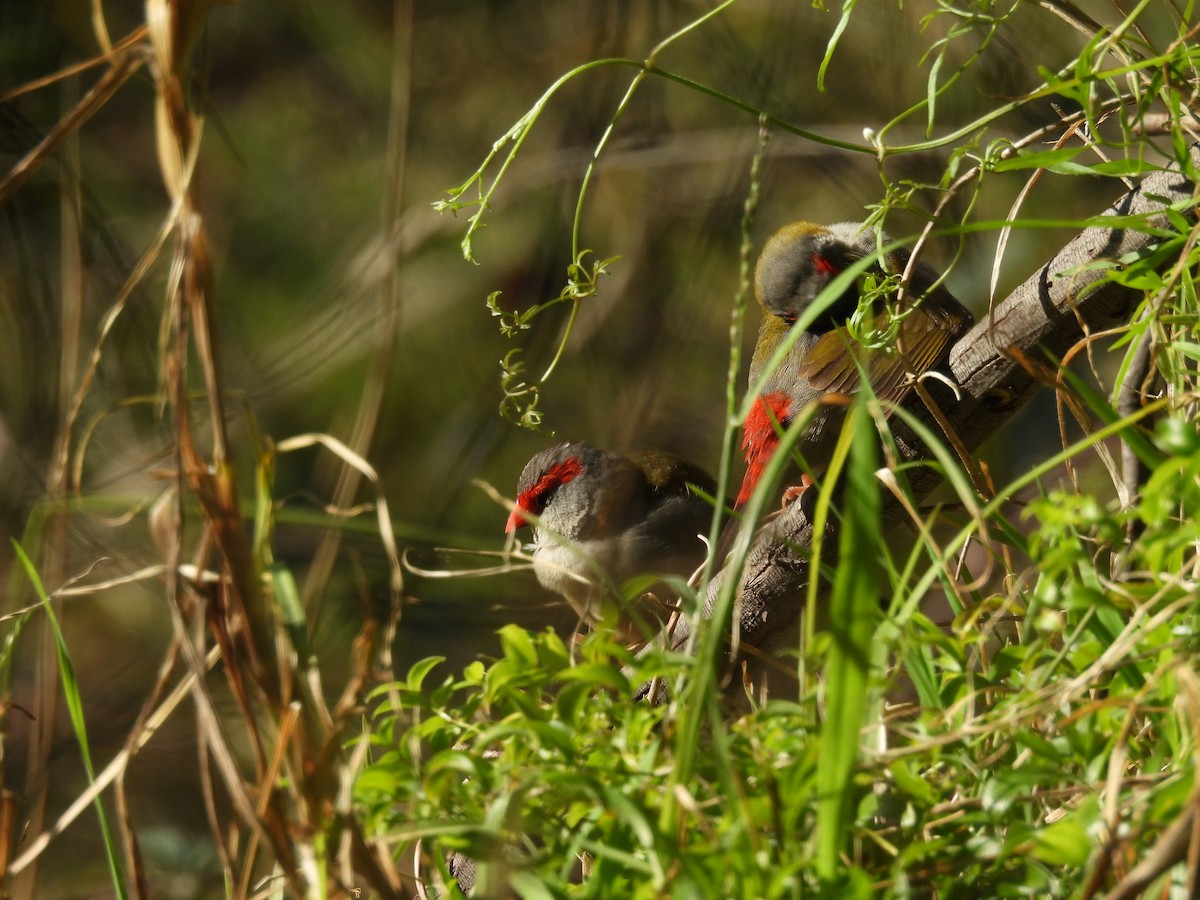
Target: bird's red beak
516,519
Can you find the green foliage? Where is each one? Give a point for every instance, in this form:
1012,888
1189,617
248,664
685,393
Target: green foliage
1031,732
535,759
520,401
1054,725
1035,737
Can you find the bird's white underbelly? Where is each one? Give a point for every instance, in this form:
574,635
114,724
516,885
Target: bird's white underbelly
571,570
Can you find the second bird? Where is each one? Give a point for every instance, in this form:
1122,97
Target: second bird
823,366
606,517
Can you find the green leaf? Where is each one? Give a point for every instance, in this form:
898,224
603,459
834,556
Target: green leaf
457,762
1190,350
379,780
912,783
1039,745
598,674
853,610
517,645
74,700
1062,162
418,670
291,609
1067,841
529,886
831,47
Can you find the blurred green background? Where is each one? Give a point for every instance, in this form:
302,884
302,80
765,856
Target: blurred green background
316,223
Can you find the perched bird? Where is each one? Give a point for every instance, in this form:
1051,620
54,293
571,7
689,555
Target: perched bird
604,517
823,366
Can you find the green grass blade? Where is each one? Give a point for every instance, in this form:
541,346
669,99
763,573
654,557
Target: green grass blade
75,708
853,611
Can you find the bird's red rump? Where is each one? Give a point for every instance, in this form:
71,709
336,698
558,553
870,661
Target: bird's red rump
760,438
823,265
535,498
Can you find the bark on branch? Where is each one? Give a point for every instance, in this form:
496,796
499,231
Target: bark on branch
1038,322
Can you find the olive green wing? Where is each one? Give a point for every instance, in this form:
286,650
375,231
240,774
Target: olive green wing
922,343
667,473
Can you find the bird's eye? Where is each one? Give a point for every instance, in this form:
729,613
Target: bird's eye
542,492
539,495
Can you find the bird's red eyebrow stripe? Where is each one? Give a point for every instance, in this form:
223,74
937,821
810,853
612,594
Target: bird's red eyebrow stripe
823,265
556,476
559,475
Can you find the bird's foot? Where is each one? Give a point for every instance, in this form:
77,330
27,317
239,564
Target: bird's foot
796,491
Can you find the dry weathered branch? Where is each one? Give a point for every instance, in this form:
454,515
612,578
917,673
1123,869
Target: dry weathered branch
1037,323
